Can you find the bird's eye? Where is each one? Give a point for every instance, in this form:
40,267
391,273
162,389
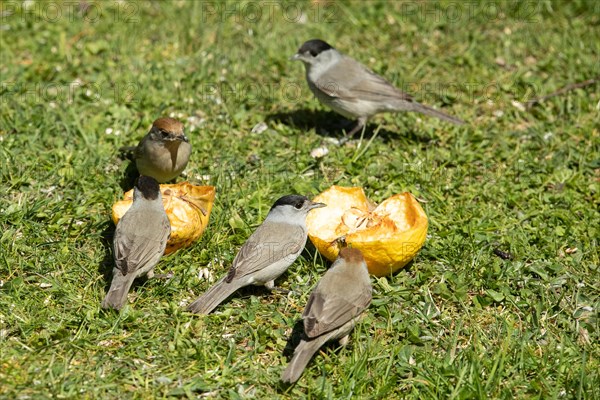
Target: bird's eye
298,206
164,134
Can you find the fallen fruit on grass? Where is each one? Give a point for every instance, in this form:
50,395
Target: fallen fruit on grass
187,206
389,235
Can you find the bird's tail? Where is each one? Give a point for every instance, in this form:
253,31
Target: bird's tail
302,355
127,149
214,296
432,112
119,287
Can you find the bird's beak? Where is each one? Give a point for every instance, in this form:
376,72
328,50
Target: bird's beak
316,205
177,138
295,57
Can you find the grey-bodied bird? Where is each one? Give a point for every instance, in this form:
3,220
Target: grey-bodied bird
164,152
351,89
333,308
267,253
139,242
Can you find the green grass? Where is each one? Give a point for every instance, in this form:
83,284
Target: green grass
458,323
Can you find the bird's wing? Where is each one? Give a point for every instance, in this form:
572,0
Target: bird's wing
270,243
136,247
357,82
325,312
139,150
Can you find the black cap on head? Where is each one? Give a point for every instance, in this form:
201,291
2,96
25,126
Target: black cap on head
148,187
293,200
314,47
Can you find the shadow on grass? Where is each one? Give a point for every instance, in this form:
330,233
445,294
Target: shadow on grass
106,265
131,173
294,340
331,124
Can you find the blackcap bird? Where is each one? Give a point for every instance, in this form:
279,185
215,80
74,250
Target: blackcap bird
333,308
351,89
267,253
164,152
139,242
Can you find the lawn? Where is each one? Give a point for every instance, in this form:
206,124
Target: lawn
520,180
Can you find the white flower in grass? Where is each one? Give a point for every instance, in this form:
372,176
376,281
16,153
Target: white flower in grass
333,141
518,105
194,122
259,128
205,274
319,152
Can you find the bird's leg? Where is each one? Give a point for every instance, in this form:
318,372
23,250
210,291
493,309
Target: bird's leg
344,341
151,275
360,124
271,286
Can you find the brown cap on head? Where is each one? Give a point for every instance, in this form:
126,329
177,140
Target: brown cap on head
168,125
351,255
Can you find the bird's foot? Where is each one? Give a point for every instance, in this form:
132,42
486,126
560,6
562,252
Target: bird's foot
280,290
166,276
271,286
344,341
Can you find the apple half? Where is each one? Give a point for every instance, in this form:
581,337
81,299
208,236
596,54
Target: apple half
389,234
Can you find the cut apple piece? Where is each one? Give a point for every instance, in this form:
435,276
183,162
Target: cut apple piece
389,235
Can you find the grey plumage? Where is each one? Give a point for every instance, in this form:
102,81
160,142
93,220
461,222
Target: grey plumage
333,308
267,253
139,241
214,296
353,90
